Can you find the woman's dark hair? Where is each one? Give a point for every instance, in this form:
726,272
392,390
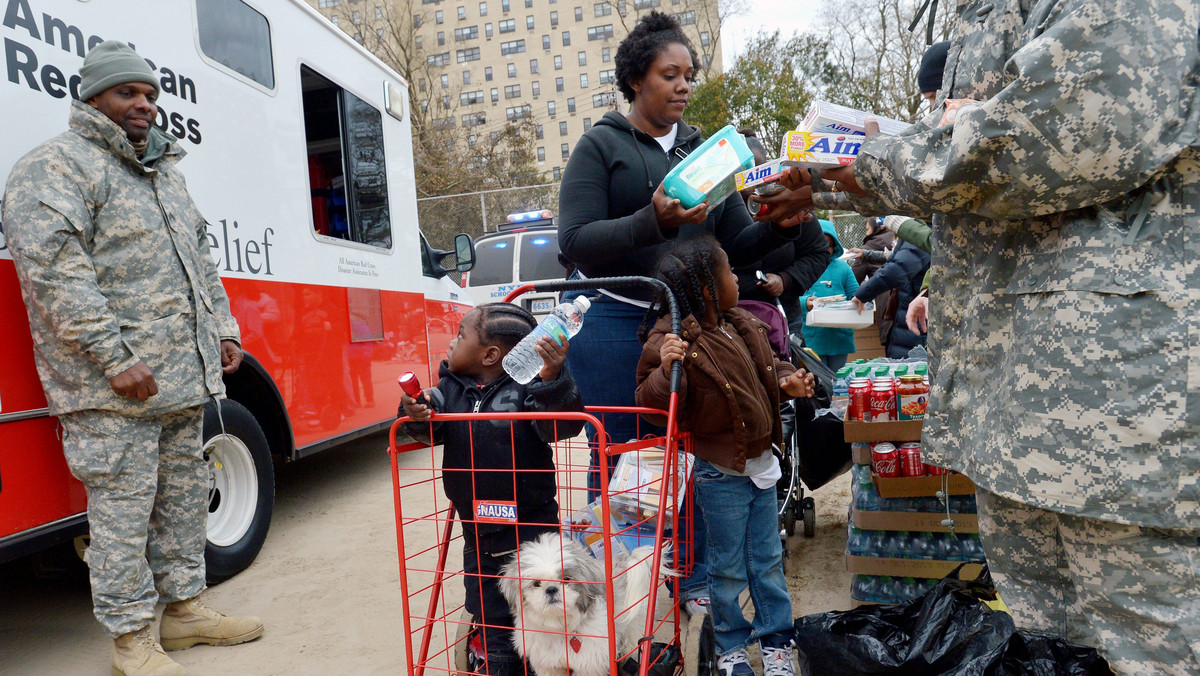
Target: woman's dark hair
652,34
686,267
503,324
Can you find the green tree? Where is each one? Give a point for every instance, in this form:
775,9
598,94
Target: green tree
769,87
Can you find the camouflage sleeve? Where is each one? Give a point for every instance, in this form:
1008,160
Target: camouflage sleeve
46,229
227,326
1098,101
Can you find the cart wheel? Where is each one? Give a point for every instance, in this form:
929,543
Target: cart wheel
699,647
808,509
789,518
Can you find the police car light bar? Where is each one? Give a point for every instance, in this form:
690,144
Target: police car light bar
530,216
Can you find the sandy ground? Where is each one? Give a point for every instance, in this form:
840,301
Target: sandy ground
326,583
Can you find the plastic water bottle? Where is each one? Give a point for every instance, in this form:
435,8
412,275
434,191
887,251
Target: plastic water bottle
923,547
972,548
523,362
947,548
856,543
896,546
907,590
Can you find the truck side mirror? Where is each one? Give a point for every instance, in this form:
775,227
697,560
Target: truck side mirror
464,252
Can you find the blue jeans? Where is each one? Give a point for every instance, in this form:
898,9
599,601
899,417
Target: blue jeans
744,548
834,361
603,359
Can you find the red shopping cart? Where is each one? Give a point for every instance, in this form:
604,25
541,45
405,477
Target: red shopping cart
635,516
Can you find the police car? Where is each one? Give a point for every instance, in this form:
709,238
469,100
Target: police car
524,250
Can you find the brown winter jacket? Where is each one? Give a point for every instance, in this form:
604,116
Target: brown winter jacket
721,399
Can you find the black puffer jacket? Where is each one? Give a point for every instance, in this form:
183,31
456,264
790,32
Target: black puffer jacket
606,222
800,263
904,272
479,457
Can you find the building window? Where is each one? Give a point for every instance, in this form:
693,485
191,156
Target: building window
445,81
528,4
566,38
562,128
587,123
605,55
466,77
438,17
356,17
687,18
546,43
541,154
583,81
566,151
604,99
420,43
512,70
487,74
442,59
470,138
516,113
557,63
558,84
462,13
326,4
608,76
537,88
579,14
474,119
571,105
461,34
378,12
600,32
470,54
557,173
514,47
441,36
533,67
704,39
417,20
483,9
504,5
487,30
529,22
553,19
512,91
495,95
706,60
539,132
645,4
551,108
508,26
602,9
583,58
470,98
421,85
333,20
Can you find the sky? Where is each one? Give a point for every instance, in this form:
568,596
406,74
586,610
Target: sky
788,16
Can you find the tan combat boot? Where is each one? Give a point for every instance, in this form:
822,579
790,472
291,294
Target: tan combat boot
138,654
186,623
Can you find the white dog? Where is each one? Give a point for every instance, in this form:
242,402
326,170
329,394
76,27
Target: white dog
561,622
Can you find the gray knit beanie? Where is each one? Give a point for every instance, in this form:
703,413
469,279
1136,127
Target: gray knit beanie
109,64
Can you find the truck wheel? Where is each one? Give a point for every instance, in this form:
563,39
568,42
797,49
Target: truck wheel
241,493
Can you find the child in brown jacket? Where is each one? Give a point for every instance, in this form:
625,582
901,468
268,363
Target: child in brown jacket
729,402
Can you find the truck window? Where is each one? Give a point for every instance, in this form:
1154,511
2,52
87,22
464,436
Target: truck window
236,36
493,262
347,173
539,257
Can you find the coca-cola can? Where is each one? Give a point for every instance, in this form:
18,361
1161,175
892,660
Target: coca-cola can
910,460
934,470
885,460
860,395
882,403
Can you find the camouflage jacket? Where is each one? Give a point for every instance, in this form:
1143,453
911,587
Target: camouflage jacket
1065,333
114,265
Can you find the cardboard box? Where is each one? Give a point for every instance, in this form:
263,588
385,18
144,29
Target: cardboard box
841,315
900,430
830,118
925,522
860,453
872,565
819,151
921,486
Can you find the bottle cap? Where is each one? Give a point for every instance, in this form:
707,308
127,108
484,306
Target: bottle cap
409,383
583,303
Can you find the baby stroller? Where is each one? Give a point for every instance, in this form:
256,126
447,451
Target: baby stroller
824,455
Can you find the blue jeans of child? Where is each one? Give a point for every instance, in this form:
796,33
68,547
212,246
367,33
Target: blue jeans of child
603,359
743,549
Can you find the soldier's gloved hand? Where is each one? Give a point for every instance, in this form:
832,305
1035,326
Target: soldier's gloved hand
231,356
136,382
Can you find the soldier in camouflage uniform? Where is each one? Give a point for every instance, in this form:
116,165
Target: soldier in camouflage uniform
131,330
1065,340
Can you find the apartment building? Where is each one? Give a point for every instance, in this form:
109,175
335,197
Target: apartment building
482,63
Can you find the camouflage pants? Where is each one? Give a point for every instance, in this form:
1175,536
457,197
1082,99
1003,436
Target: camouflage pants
1132,592
147,493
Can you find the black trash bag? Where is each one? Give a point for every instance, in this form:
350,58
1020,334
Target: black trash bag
945,632
822,453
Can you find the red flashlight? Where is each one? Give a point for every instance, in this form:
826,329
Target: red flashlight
409,383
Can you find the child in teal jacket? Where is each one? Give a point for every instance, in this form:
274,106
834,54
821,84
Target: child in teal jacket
833,345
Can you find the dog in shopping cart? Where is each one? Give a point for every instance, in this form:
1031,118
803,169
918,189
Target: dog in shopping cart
556,592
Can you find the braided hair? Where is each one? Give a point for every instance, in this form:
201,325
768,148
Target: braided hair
686,267
653,33
503,324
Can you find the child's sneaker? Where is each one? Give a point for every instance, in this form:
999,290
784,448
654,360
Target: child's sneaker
778,655
697,607
736,663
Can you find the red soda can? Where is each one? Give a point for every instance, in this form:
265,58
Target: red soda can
860,395
882,402
910,460
934,470
885,461
409,383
